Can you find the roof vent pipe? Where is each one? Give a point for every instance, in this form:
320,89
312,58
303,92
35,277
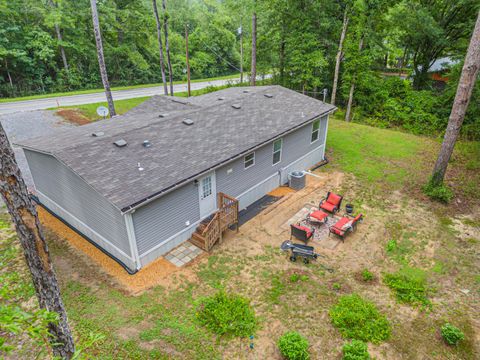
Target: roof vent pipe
147,143
140,168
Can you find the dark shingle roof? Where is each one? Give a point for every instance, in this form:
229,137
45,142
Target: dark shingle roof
178,151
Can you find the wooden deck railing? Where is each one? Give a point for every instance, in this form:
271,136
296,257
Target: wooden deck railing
225,217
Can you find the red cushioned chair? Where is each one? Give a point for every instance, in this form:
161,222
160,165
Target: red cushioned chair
301,233
331,203
345,225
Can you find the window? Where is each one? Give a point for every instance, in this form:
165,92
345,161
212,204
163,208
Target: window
206,187
249,160
315,131
277,151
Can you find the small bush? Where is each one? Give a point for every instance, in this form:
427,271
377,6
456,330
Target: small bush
451,334
296,277
359,319
355,350
391,246
367,275
439,192
293,346
227,314
409,285
336,286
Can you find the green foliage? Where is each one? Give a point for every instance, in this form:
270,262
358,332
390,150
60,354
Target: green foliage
355,350
409,286
359,319
14,320
293,346
439,192
276,290
227,314
367,275
451,334
298,277
16,289
336,286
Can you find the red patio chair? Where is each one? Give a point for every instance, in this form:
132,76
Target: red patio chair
301,233
345,225
331,203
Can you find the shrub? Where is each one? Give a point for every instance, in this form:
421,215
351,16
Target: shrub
336,286
359,319
367,275
409,285
355,350
439,192
451,334
293,346
227,314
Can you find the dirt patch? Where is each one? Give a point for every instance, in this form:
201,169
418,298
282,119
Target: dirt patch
159,272
73,116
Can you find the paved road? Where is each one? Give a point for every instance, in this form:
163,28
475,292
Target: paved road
39,104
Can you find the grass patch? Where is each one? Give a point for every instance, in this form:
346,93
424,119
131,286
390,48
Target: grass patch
227,314
90,110
409,285
367,275
373,154
101,90
359,319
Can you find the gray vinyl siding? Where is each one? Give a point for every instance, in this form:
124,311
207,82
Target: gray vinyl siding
159,220
295,145
70,192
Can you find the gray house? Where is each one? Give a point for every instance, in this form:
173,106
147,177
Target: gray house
138,185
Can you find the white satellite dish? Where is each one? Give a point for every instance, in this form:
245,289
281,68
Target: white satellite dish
102,111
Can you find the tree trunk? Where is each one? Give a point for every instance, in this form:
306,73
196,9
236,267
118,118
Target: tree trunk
348,113
188,62
160,46
24,216
338,58
101,59
466,83
167,46
8,74
253,76
60,39
241,53
282,58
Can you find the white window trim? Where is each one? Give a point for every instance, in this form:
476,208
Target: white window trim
281,151
318,131
244,161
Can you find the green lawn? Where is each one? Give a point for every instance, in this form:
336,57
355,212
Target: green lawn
91,91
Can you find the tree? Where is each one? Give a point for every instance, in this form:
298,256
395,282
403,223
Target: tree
253,75
160,46
339,56
466,83
101,59
24,216
59,37
432,28
167,46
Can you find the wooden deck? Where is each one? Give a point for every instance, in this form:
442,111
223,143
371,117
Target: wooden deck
208,234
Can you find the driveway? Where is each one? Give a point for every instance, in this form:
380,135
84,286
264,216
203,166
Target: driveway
25,125
38,104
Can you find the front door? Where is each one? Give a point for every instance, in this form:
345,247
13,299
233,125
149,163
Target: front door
207,194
